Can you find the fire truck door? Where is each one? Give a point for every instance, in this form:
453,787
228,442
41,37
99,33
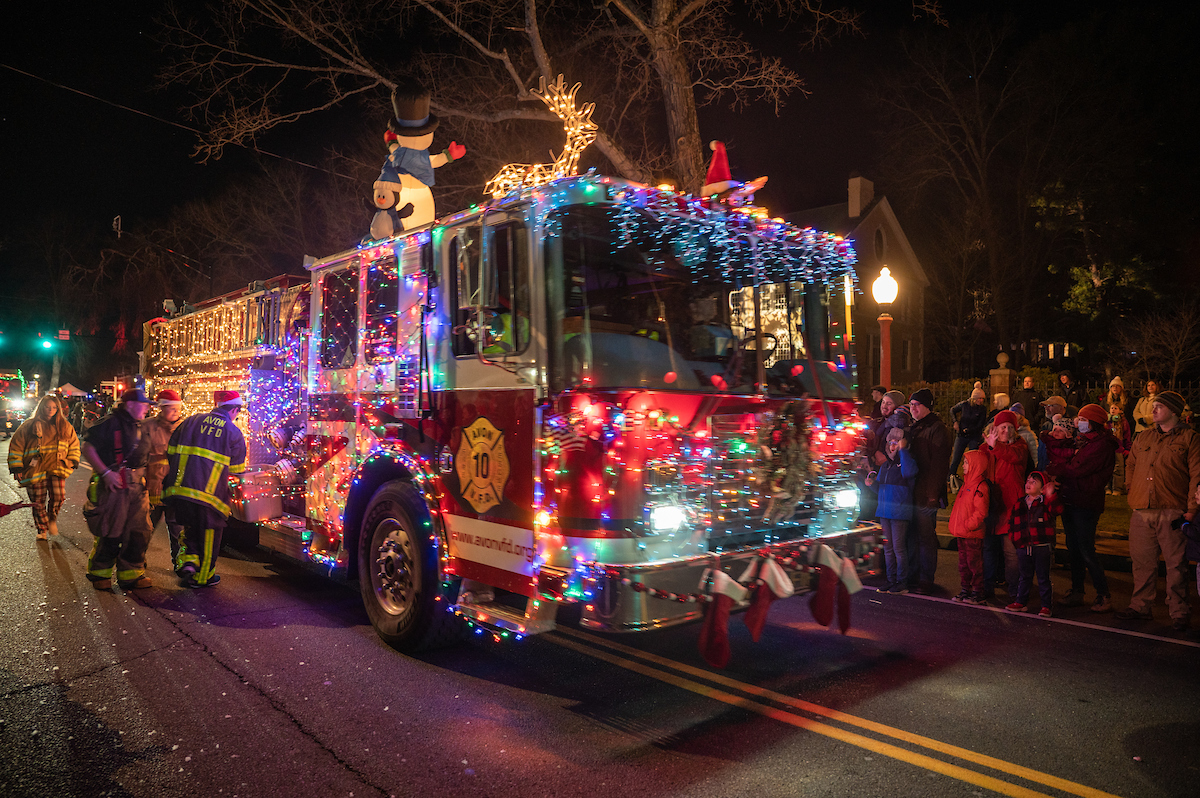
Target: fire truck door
489,402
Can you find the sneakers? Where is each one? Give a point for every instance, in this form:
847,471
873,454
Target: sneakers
1130,614
962,596
1102,604
1045,612
1181,624
886,588
1073,599
899,589
976,599
141,583
1017,606
212,581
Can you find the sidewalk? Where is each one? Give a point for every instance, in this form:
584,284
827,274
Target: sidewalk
1112,544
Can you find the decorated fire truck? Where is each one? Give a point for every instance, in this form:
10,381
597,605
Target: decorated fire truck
591,392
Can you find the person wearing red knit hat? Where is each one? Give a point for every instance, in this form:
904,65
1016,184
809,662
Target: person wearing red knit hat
1008,462
1084,466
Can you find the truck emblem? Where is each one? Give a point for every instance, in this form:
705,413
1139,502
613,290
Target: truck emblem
482,465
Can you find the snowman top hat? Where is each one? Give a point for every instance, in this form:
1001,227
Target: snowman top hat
410,104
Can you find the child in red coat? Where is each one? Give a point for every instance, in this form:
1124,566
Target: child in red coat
1032,530
967,522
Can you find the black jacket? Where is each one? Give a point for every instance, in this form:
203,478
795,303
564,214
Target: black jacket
929,441
119,430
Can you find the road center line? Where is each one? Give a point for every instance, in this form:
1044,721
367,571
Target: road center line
958,752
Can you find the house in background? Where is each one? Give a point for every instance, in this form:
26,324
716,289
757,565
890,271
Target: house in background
869,222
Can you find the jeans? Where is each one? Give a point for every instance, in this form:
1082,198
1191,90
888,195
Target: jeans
1079,524
963,444
895,552
1031,559
174,530
999,558
922,545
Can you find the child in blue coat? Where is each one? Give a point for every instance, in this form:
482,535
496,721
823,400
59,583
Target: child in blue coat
894,481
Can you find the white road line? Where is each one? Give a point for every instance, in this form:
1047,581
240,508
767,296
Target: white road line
1033,616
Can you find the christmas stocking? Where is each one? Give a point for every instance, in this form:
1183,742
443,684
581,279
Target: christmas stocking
714,634
848,584
830,569
774,584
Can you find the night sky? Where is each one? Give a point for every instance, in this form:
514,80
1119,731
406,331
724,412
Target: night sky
79,158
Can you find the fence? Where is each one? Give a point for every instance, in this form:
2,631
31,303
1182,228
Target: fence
947,394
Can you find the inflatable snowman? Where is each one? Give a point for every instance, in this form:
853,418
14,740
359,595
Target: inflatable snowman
402,190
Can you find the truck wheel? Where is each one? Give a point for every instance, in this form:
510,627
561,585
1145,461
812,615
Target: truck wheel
398,572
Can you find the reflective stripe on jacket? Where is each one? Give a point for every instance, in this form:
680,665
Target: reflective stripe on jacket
203,452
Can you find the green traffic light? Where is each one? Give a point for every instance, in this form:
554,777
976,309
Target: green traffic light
46,344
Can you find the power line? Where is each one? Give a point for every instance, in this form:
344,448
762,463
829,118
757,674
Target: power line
170,122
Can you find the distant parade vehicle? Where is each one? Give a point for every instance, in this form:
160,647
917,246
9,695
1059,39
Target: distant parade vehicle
590,392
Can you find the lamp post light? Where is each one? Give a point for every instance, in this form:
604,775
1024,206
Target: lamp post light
884,290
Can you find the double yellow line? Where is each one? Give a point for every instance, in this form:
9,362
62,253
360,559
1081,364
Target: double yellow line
636,661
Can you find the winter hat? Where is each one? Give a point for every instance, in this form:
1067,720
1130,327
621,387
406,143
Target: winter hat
1063,423
1171,400
168,398
895,434
410,103
1093,413
1116,381
924,396
1017,408
977,391
879,389
227,398
1039,476
718,178
896,397
135,395
1005,417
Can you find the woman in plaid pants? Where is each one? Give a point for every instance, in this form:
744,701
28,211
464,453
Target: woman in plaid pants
43,452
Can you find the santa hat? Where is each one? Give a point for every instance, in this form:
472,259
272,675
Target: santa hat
168,398
718,178
714,635
227,398
774,583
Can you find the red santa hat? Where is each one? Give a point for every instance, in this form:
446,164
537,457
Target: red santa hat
718,178
227,398
167,398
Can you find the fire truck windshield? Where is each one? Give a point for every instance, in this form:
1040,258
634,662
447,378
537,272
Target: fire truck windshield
625,312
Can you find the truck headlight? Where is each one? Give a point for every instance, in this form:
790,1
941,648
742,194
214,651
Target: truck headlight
667,518
847,498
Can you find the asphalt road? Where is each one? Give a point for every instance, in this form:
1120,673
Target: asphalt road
274,684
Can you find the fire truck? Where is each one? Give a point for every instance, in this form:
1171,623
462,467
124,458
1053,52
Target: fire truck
586,393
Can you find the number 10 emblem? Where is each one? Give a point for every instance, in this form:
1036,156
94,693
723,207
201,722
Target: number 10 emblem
482,465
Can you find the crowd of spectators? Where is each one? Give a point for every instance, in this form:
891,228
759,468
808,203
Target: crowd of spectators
1026,462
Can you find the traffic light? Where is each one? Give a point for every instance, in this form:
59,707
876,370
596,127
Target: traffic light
47,343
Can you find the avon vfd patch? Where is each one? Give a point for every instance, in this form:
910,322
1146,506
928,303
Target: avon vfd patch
482,465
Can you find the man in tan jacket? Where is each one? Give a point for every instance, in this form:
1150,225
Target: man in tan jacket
159,429
1161,475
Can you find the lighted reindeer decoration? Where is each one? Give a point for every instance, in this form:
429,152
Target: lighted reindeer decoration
580,130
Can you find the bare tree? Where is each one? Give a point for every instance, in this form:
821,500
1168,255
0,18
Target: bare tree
257,64
1164,344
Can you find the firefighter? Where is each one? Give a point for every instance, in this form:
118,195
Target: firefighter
159,429
204,451
119,510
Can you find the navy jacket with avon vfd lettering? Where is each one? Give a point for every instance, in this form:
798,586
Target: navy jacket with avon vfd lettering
203,452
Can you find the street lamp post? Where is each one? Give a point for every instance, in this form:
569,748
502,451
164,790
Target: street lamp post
884,290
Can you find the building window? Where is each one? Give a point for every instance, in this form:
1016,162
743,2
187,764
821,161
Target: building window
908,354
880,245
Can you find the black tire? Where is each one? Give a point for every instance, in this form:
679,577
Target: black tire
398,573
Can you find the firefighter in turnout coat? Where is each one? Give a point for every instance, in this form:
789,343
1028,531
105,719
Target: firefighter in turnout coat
204,451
